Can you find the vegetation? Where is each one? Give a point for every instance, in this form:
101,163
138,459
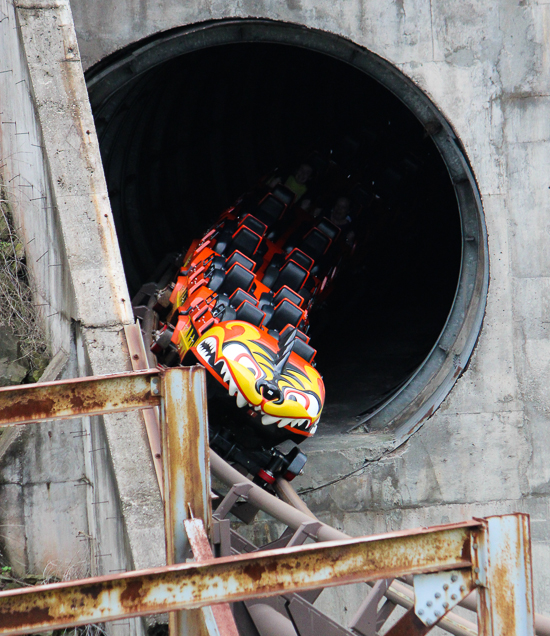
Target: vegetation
17,310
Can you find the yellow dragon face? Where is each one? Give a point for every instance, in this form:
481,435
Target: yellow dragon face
263,375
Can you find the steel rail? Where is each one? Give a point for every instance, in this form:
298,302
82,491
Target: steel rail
398,593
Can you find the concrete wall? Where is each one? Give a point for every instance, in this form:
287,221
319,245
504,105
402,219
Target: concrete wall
80,496
486,66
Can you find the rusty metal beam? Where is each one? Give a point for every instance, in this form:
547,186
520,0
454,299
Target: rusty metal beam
184,434
83,396
503,564
293,518
229,579
202,551
138,356
184,425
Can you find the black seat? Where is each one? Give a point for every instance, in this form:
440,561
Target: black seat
299,334
245,241
239,296
292,275
238,277
286,313
329,228
304,350
302,259
254,224
221,244
283,193
223,309
216,279
270,275
270,209
239,257
250,313
315,243
286,292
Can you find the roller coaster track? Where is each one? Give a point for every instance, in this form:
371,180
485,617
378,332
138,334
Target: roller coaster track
456,552
301,524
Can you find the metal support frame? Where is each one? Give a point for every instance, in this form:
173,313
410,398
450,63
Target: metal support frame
202,551
68,399
503,564
447,562
138,356
366,620
184,435
229,579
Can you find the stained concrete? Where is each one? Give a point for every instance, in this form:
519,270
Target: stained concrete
80,496
485,66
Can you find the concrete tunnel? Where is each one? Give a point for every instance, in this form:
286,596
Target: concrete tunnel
187,119
185,132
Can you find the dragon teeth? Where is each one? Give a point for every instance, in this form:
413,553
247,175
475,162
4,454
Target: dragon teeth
269,419
285,422
282,421
233,390
241,401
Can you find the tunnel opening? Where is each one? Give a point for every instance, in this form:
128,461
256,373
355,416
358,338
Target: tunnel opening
183,137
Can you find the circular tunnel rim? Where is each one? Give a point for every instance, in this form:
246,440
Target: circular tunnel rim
417,399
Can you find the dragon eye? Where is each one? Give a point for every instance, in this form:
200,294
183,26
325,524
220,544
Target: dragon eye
301,398
313,408
240,354
309,402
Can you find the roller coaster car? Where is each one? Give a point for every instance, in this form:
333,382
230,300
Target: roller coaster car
239,306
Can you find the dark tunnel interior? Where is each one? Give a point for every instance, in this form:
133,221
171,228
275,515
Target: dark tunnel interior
182,141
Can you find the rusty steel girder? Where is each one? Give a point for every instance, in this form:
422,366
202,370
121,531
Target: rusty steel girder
229,579
82,396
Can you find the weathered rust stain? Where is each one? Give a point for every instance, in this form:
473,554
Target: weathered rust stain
503,592
467,549
255,571
77,402
133,593
25,408
32,616
93,591
58,400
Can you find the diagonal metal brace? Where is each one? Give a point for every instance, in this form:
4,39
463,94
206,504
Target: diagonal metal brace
237,491
365,621
202,552
307,530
